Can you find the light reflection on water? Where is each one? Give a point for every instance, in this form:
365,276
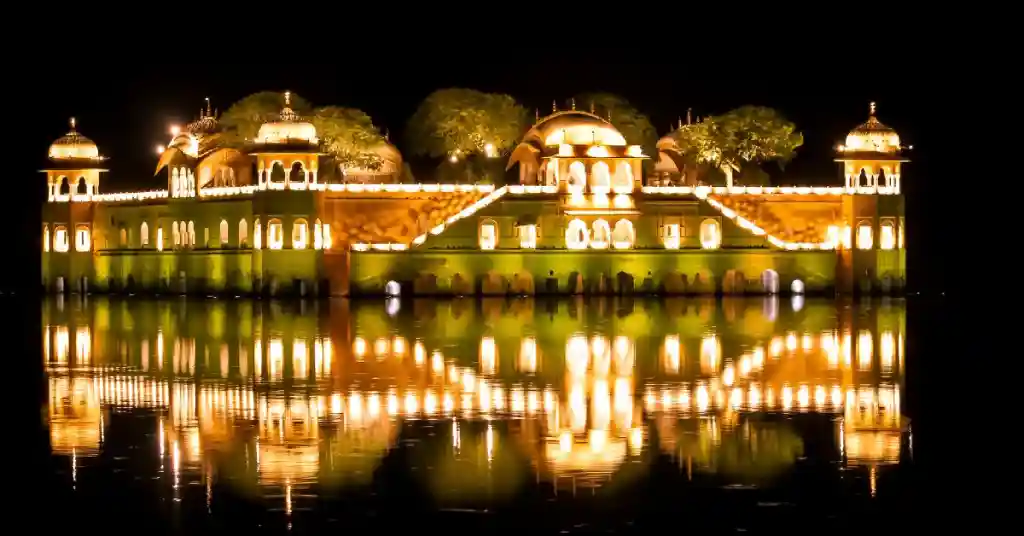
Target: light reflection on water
488,396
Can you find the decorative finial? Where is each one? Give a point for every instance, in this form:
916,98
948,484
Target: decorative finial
536,115
680,120
554,106
72,123
208,106
572,101
688,110
591,105
387,135
288,98
872,108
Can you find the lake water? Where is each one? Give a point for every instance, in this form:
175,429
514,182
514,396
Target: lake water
585,415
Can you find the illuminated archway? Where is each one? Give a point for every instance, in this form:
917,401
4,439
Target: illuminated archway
275,234
576,235
864,235
710,234
393,289
887,235
144,234
770,281
300,234
600,178
577,177
224,234
622,236
243,233
488,234
623,181
602,235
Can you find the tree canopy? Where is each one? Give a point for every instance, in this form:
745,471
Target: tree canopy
458,121
740,136
633,125
347,135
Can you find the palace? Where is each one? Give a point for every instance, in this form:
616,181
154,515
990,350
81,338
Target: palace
582,220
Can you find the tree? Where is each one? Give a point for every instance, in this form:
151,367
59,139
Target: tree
348,136
746,134
243,119
458,122
633,125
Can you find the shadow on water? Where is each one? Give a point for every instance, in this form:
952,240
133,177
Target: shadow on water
508,414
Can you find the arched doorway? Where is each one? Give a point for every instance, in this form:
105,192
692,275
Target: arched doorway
770,281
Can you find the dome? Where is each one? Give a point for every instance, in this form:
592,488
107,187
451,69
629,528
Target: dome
289,128
872,136
574,128
73,145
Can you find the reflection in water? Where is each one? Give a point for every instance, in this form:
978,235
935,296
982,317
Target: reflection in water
299,399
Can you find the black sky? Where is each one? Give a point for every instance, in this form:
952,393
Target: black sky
127,111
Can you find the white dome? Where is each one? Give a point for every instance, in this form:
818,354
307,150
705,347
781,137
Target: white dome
873,136
74,146
286,131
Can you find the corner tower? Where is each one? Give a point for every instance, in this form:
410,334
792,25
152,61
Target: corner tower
871,157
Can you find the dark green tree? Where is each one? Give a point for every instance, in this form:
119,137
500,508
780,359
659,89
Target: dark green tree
749,134
458,122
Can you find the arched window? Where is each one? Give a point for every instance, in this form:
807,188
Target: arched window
60,238
770,281
297,173
123,237
528,236
191,233
277,174
864,236
601,236
622,183
622,236
488,234
300,234
318,235
83,187
65,186
174,183
82,239
710,234
224,233
159,238
577,177
275,234
327,236
671,236
175,234
576,235
243,233
46,237
257,235
887,235
144,234
600,178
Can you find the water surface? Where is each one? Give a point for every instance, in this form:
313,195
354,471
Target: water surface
583,415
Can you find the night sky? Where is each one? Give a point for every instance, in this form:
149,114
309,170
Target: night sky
128,112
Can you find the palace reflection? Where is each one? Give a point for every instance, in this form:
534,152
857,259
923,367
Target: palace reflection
285,397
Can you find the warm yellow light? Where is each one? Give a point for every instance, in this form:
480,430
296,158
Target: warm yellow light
275,235
577,235
672,237
710,234
528,236
564,150
488,355
864,236
847,237
488,236
160,149
300,234
175,129
635,151
887,236
598,151
82,241
60,240
489,150
672,354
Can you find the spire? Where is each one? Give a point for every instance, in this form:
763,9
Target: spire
72,124
680,120
872,108
536,115
573,102
554,106
688,110
208,111
591,105
287,99
387,135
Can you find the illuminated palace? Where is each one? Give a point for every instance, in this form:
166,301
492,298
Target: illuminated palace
261,219
321,396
